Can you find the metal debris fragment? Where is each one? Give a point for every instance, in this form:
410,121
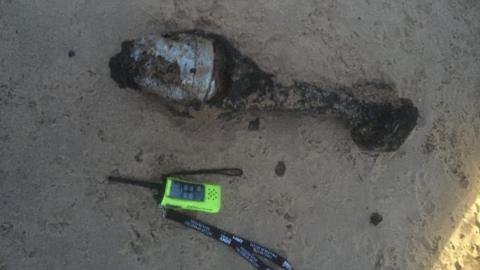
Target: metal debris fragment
196,68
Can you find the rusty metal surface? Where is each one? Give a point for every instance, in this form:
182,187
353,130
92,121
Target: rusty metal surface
194,56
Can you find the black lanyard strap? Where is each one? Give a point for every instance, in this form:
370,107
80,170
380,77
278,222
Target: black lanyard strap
245,248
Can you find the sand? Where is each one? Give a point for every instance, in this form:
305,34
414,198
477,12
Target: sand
65,125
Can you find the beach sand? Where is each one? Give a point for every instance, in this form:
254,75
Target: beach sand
65,125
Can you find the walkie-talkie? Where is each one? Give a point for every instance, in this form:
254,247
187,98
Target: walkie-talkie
191,196
178,193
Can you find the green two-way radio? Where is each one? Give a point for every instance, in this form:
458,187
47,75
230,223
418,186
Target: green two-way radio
191,196
178,193
175,193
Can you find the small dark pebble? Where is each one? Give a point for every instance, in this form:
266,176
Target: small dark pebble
280,168
71,53
6,227
254,124
375,218
139,156
289,226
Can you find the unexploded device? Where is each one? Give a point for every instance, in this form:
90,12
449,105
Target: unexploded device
195,69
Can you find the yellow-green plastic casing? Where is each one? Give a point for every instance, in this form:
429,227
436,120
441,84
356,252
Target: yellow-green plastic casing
210,204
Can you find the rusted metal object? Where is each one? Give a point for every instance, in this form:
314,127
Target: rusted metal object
197,68
178,68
